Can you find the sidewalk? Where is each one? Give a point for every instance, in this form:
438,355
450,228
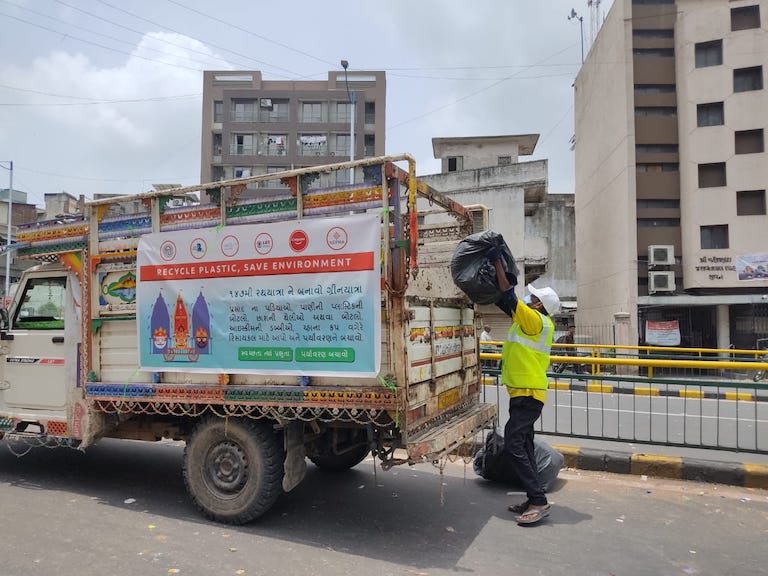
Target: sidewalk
721,467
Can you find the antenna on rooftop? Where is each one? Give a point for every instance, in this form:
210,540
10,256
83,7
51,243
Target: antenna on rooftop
594,19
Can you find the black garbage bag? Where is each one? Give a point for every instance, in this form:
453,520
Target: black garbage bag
473,273
493,463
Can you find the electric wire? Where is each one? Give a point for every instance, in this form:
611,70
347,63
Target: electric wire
237,27
150,99
475,92
115,39
83,40
218,47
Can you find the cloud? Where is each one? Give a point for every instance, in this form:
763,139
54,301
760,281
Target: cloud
118,128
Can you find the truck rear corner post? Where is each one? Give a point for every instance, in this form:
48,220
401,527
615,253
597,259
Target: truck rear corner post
263,320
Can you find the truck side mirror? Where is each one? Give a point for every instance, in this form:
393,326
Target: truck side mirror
5,323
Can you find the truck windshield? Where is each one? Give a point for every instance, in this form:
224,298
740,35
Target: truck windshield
41,306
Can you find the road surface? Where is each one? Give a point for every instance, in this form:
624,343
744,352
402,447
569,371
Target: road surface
120,509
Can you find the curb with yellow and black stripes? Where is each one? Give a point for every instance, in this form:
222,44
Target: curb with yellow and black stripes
589,384
602,388
680,468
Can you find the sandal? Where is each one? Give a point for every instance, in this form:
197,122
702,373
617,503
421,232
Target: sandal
519,508
533,515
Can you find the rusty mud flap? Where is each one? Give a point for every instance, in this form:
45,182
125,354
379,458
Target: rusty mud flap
436,442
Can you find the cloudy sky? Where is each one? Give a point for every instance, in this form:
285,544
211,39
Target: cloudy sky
105,95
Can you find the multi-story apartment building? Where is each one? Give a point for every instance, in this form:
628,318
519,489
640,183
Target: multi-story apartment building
253,126
671,111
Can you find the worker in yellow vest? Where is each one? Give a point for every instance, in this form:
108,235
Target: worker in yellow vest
524,362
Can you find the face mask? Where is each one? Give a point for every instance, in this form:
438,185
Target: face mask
527,299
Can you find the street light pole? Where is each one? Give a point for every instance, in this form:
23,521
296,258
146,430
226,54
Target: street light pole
8,240
351,96
572,15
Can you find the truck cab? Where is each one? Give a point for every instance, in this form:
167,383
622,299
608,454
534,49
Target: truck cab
39,347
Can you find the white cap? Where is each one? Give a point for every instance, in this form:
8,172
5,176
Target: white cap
549,298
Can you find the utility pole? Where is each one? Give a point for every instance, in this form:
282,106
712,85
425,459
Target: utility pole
351,96
8,254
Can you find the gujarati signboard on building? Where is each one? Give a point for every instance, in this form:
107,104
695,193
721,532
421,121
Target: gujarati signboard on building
662,333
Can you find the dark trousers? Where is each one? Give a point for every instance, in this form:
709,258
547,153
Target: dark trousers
518,441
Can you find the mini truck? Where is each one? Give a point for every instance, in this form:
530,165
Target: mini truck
264,321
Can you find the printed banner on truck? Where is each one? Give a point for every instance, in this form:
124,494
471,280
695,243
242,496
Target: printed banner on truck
299,297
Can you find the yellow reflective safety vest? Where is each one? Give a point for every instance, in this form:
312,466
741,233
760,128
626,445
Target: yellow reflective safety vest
525,358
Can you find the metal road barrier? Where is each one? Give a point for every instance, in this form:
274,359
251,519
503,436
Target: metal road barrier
710,400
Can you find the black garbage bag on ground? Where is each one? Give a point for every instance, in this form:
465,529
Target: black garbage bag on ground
493,463
472,272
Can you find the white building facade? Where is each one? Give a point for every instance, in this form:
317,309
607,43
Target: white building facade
538,227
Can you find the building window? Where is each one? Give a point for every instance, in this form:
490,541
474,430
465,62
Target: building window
242,145
343,112
311,112
342,144
243,111
274,110
218,111
712,175
454,163
658,222
710,114
370,145
370,112
714,237
709,53
217,173
653,33
749,141
274,144
274,183
658,167
657,204
750,203
655,88
261,171
217,144
745,17
313,145
654,52
746,79
505,160
656,148
655,110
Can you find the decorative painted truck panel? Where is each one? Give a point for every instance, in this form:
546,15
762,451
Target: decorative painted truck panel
263,326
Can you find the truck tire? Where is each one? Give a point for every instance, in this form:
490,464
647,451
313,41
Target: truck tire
233,469
326,459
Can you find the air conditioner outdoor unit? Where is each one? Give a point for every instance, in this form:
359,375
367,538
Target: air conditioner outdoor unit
661,282
661,255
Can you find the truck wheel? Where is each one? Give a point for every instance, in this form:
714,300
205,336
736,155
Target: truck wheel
233,469
351,453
